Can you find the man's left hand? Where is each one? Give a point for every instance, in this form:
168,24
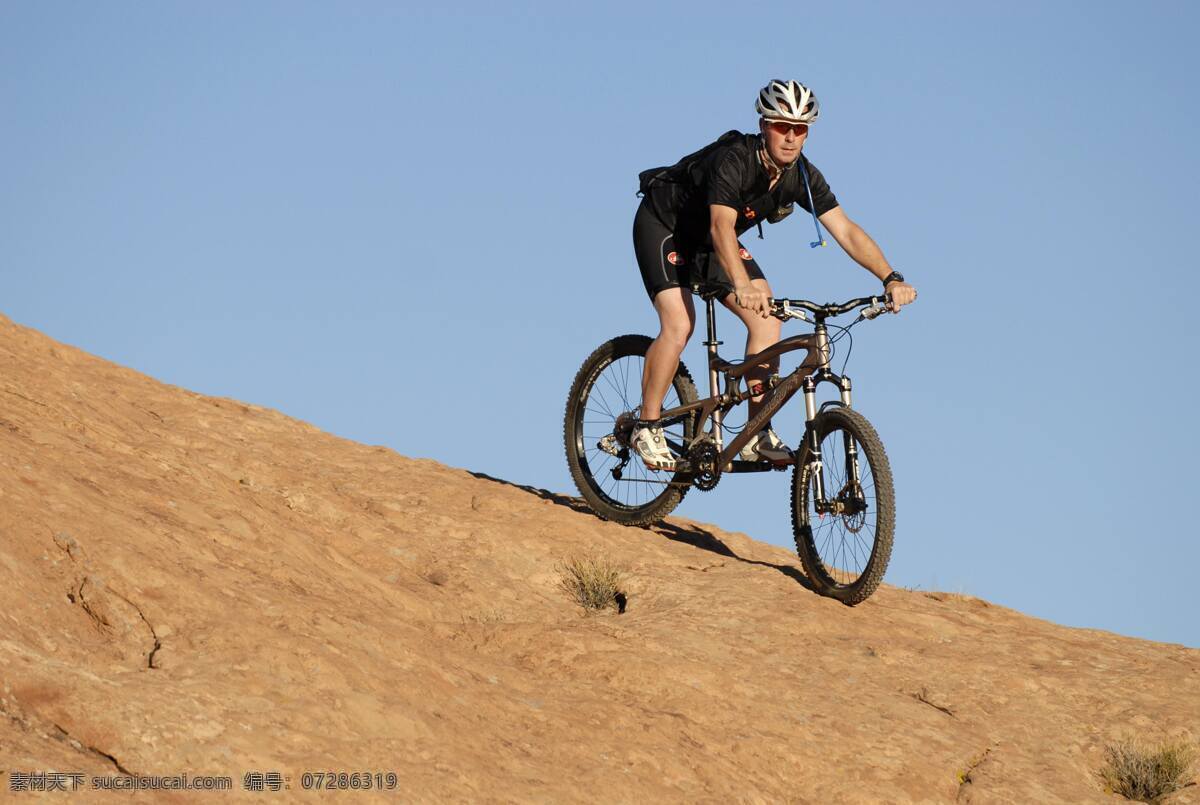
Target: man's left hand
902,294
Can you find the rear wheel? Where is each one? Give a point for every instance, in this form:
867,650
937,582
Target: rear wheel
846,542
597,427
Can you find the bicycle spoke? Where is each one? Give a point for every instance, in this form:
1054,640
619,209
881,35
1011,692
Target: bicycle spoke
613,385
598,396
854,545
612,377
625,385
633,384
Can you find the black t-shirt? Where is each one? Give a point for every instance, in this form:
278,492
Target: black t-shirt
729,172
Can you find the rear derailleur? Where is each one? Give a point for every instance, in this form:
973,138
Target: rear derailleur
616,444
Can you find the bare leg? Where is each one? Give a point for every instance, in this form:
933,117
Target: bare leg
760,334
677,320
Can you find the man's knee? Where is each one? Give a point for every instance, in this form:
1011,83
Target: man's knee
675,334
771,327
676,319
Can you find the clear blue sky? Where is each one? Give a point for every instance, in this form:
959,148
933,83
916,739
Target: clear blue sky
368,215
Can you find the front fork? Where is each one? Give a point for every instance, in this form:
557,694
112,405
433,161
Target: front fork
813,440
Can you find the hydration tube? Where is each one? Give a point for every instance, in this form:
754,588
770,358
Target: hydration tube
820,241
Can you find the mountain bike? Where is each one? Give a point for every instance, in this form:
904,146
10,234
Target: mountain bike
842,498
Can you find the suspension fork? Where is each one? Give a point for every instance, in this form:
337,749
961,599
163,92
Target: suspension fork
852,474
816,465
814,441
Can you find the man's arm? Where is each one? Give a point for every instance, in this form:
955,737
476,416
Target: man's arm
725,244
863,250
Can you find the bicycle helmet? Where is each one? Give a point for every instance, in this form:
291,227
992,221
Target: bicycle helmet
787,100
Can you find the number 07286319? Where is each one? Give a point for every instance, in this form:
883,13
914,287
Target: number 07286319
348,781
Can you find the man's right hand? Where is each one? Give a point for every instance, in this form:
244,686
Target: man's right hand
725,244
752,298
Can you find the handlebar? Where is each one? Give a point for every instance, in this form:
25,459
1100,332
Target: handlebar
874,304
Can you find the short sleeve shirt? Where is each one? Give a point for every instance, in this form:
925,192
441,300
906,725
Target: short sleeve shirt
733,176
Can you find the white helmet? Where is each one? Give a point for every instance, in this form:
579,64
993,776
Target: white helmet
787,100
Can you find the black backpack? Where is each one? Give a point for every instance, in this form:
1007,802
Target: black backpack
681,171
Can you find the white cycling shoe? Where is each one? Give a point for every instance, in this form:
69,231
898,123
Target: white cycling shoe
767,446
650,443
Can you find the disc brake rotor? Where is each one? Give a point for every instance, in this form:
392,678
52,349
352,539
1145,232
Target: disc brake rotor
854,507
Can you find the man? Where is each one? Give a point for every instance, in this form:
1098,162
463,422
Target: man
696,209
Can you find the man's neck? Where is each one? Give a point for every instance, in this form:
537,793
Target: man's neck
774,171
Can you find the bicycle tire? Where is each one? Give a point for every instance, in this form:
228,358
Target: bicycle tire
588,466
818,552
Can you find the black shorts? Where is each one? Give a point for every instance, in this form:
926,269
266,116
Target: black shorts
664,263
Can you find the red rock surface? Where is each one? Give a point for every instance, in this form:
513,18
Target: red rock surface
204,586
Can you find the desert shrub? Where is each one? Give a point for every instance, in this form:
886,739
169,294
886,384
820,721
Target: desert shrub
485,618
1145,773
593,582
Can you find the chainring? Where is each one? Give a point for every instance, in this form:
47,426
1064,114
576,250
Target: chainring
703,458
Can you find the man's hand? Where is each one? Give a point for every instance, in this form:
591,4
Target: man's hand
755,299
902,294
725,244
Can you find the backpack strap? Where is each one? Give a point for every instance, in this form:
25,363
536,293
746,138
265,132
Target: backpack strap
820,241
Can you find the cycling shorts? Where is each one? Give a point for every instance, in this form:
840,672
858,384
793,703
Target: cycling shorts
666,263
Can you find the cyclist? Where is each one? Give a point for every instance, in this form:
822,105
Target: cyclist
695,210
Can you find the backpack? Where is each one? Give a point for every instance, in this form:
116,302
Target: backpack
681,171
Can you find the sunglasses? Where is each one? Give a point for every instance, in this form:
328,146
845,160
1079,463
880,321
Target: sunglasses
780,127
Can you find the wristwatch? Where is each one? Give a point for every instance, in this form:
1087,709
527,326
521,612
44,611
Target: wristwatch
895,276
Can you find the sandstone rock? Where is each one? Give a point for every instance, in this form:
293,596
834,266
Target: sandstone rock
196,585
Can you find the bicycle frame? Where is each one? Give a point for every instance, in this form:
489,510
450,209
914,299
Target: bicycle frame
813,371
844,555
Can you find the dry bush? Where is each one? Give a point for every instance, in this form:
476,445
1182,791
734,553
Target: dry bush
1145,773
593,582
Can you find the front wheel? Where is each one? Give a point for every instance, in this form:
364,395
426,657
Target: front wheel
843,537
601,412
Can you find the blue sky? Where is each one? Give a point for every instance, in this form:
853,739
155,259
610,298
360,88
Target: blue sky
371,216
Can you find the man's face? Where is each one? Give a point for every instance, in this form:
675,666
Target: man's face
784,140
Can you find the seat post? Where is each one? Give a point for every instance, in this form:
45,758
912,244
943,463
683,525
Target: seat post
711,315
713,387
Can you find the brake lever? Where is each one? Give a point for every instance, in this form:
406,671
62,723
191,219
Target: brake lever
874,310
786,312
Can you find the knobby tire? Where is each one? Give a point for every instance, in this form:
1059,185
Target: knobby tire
821,553
593,476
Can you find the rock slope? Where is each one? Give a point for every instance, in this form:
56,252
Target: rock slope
199,585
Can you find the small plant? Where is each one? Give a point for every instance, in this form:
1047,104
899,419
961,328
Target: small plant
1146,773
486,618
593,582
